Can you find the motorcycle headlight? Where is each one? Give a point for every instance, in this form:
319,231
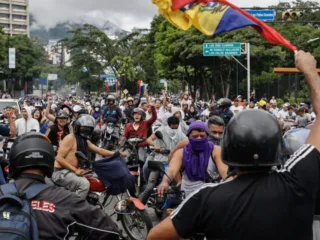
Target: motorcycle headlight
110,130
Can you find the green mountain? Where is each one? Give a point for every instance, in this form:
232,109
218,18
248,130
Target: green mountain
61,29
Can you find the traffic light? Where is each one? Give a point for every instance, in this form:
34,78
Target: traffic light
291,15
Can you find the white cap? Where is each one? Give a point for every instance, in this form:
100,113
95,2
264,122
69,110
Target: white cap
87,103
76,108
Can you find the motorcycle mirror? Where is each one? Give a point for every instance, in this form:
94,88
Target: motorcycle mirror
156,166
158,135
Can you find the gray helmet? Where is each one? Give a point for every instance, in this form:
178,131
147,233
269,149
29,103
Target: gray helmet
62,114
86,121
111,97
138,110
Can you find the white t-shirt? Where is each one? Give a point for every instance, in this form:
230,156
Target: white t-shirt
282,114
289,118
236,110
274,111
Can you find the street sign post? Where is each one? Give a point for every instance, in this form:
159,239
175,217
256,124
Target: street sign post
230,50
221,49
263,15
12,58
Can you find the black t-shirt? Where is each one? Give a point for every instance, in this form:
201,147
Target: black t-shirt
276,205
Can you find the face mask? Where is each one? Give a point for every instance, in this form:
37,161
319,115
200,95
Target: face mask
97,109
171,132
198,144
216,139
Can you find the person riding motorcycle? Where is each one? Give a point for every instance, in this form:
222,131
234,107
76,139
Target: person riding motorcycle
97,113
171,136
216,127
224,112
60,129
258,198
112,114
31,160
200,161
68,171
129,108
139,128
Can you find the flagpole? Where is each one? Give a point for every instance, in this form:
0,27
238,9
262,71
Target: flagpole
248,71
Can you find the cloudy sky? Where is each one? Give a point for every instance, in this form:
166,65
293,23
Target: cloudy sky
124,13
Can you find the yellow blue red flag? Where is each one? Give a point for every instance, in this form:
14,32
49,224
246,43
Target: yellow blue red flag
212,17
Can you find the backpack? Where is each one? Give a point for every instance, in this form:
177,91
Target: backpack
16,219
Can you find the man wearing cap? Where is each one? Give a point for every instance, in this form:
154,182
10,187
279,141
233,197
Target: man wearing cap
26,123
60,129
236,108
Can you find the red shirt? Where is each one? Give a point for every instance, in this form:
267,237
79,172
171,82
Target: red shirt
142,131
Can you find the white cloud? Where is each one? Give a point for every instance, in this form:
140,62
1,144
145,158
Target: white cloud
124,13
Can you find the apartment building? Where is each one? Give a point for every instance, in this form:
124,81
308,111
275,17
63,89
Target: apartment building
14,17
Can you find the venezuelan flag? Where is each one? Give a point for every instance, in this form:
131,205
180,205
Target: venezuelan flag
142,90
212,17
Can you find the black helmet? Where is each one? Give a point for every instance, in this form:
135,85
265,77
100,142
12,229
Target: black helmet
252,139
86,121
224,103
294,139
62,114
138,110
31,150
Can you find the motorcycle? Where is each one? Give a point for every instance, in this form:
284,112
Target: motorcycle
155,177
163,206
7,147
111,137
130,211
133,162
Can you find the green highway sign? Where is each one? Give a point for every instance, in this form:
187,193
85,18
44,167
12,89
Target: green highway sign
221,49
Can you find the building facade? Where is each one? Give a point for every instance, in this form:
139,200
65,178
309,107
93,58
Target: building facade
14,17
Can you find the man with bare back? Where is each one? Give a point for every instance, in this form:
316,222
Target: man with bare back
67,171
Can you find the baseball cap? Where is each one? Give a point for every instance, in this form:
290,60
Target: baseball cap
76,108
262,103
